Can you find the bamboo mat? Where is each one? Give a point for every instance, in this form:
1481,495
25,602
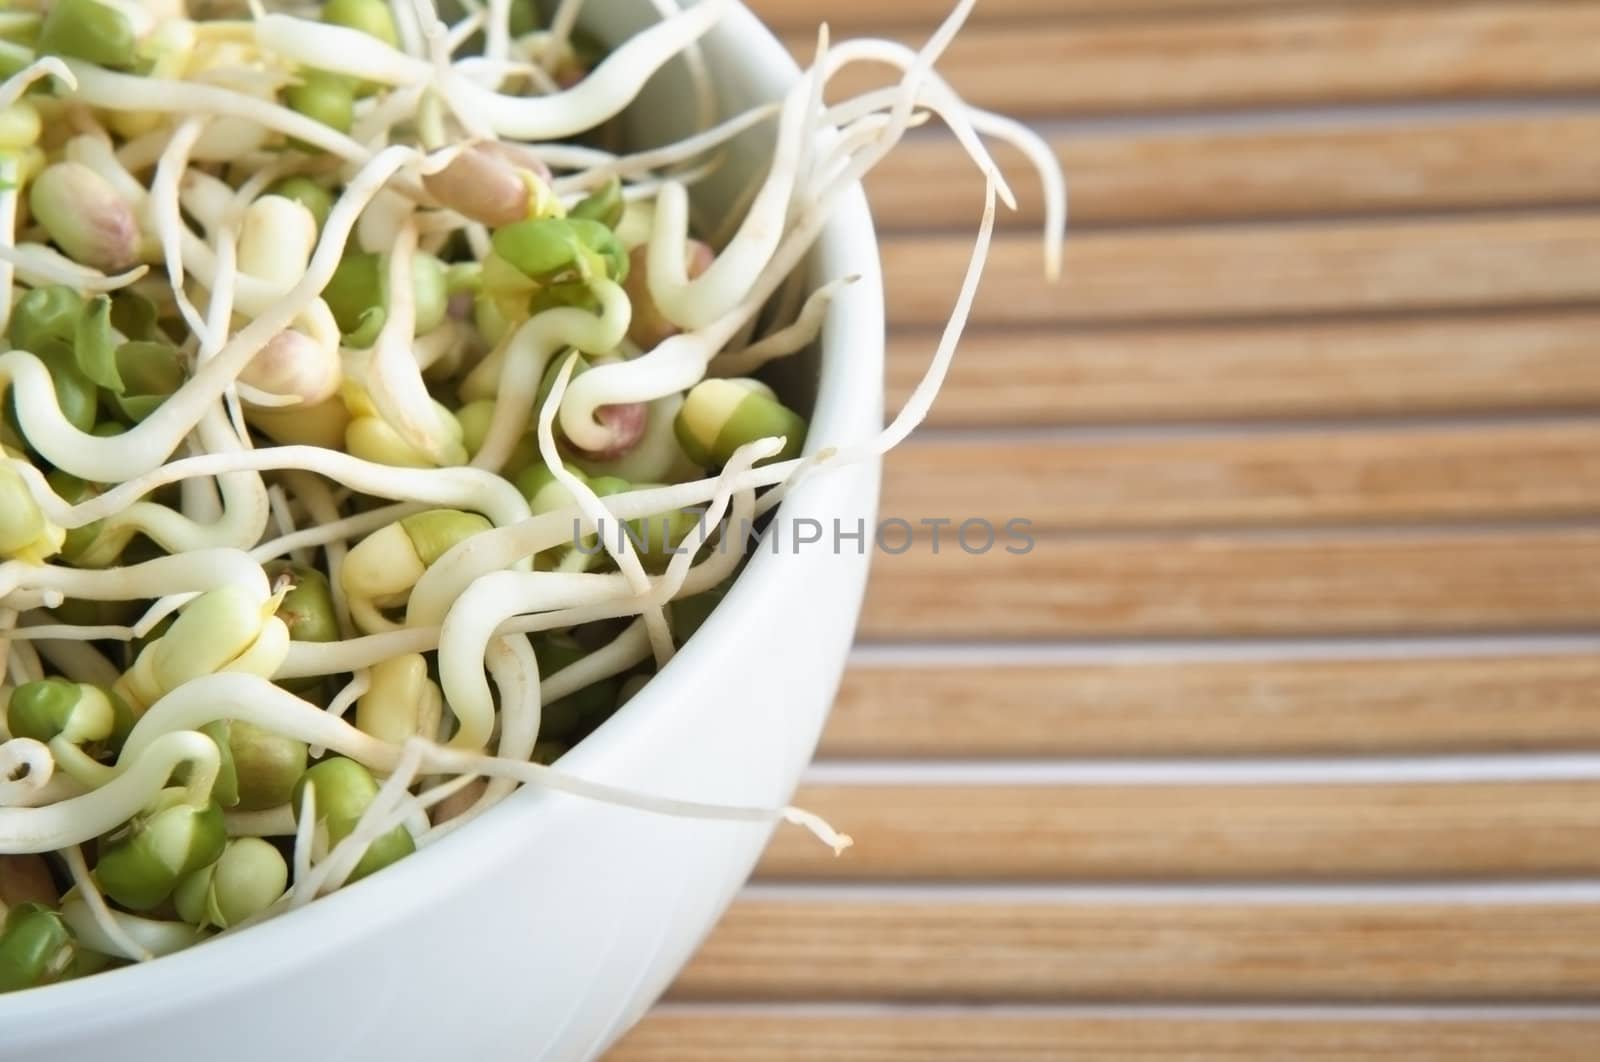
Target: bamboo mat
1282,742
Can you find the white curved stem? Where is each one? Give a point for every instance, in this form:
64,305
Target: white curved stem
393,377
26,767
791,339
193,572
528,353
37,265
598,166
626,650
692,304
99,87
13,87
609,88
624,554
82,818
245,506
255,700
458,488
490,601
493,599
9,185
515,670
348,51
164,203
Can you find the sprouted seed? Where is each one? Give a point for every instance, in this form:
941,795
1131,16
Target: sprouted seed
330,357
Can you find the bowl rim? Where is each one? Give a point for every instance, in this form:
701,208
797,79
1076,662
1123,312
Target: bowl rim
847,410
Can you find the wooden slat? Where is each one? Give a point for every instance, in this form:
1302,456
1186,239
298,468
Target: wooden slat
1236,480
769,949
1255,58
1224,269
1175,832
777,1035
1209,586
1521,361
848,16
928,181
1256,270
851,17
1219,708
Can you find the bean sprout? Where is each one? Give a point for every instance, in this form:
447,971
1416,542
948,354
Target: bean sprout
389,412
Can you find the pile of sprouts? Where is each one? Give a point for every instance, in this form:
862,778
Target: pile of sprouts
338,340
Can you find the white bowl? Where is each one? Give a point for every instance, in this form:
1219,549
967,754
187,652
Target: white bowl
546,928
